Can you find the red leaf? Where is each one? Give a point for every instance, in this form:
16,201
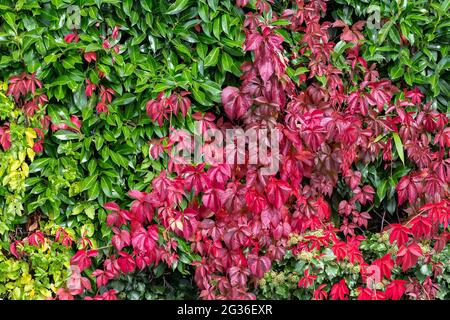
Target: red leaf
407,256
235,103
396,289
339,291
399,233
211,200
90,56
385,264
71,37
259,265
277,192
253,41
82,259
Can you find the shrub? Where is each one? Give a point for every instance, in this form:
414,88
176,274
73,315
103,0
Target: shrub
18,143
314,266
37,266
340,123
97,78
92,79
410,43
100,106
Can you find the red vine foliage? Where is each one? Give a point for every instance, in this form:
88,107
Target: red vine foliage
238,221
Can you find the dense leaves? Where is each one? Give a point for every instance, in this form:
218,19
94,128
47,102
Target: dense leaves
410,40
100,102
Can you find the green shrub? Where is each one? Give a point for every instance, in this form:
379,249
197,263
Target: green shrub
411,42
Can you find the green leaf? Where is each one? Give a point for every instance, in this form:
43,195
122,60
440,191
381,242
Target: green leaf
106,186
88,182
340,47
212,58
445,6
384,31
226,61
127,6
94,192
281,22
399,146
127,98
378,138
66,135
213,4
90,212
39,164
381,190
217,29
177,7
397,71
119,159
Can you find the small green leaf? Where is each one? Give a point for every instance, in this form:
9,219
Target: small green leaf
399,146
66,135
378,138
381,190
39,164
88,182
212,58
177,6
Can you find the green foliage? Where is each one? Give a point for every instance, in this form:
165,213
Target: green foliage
14,166
160,47
162,284
37,275
144,48
411,43
282,281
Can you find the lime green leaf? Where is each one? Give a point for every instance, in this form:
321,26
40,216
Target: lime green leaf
399,146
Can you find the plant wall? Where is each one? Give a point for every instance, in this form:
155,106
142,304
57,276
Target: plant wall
94,96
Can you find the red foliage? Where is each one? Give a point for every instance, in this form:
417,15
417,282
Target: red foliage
82,259
90,56
407,256
396,289
239,221
339,291
160,108
5,137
